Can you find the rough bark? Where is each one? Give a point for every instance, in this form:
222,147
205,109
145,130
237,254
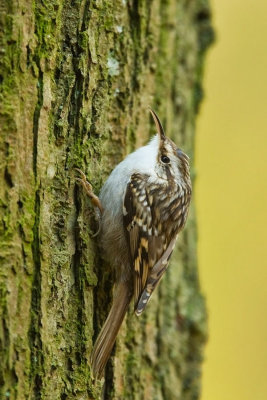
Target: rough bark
76,80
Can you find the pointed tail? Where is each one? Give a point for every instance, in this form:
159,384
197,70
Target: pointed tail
107,336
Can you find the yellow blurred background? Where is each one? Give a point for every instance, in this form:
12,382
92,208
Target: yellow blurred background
231,196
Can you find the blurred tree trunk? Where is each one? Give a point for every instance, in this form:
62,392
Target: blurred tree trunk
76,79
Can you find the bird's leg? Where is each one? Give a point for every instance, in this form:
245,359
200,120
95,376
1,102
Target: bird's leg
89,190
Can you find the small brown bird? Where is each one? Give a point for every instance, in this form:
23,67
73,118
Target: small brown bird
143,206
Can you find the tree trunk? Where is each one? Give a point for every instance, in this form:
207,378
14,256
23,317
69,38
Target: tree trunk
76,80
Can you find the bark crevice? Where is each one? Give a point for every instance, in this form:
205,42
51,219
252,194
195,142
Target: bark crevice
76,79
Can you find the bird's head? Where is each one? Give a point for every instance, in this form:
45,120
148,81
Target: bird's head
172,163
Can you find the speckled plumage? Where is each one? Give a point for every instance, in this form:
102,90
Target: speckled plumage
152,219
145,204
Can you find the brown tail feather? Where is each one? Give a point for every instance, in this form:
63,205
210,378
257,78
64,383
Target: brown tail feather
107,336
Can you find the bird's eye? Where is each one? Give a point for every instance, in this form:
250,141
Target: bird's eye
165,159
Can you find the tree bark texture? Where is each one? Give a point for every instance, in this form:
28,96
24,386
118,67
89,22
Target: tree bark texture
76,79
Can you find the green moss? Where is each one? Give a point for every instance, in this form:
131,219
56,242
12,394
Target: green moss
86,73
45,18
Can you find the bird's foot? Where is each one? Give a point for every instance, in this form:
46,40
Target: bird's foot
89,190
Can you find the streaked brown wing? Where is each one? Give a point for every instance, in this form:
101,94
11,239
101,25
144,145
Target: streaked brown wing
149,247
137,222
154,278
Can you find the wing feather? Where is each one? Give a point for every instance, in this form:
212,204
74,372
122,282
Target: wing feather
149,246
136,225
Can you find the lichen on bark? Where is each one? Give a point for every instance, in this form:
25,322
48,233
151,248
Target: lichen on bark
76,80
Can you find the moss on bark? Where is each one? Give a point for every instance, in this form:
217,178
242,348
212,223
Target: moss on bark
76,79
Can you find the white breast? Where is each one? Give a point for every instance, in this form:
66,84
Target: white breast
142,160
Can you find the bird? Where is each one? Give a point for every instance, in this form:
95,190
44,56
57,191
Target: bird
143,205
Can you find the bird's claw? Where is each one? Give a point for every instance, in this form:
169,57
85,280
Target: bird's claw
89,190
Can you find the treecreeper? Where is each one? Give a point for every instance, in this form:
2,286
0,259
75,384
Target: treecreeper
143,206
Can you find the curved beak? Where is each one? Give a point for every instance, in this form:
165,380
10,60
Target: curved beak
158,124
